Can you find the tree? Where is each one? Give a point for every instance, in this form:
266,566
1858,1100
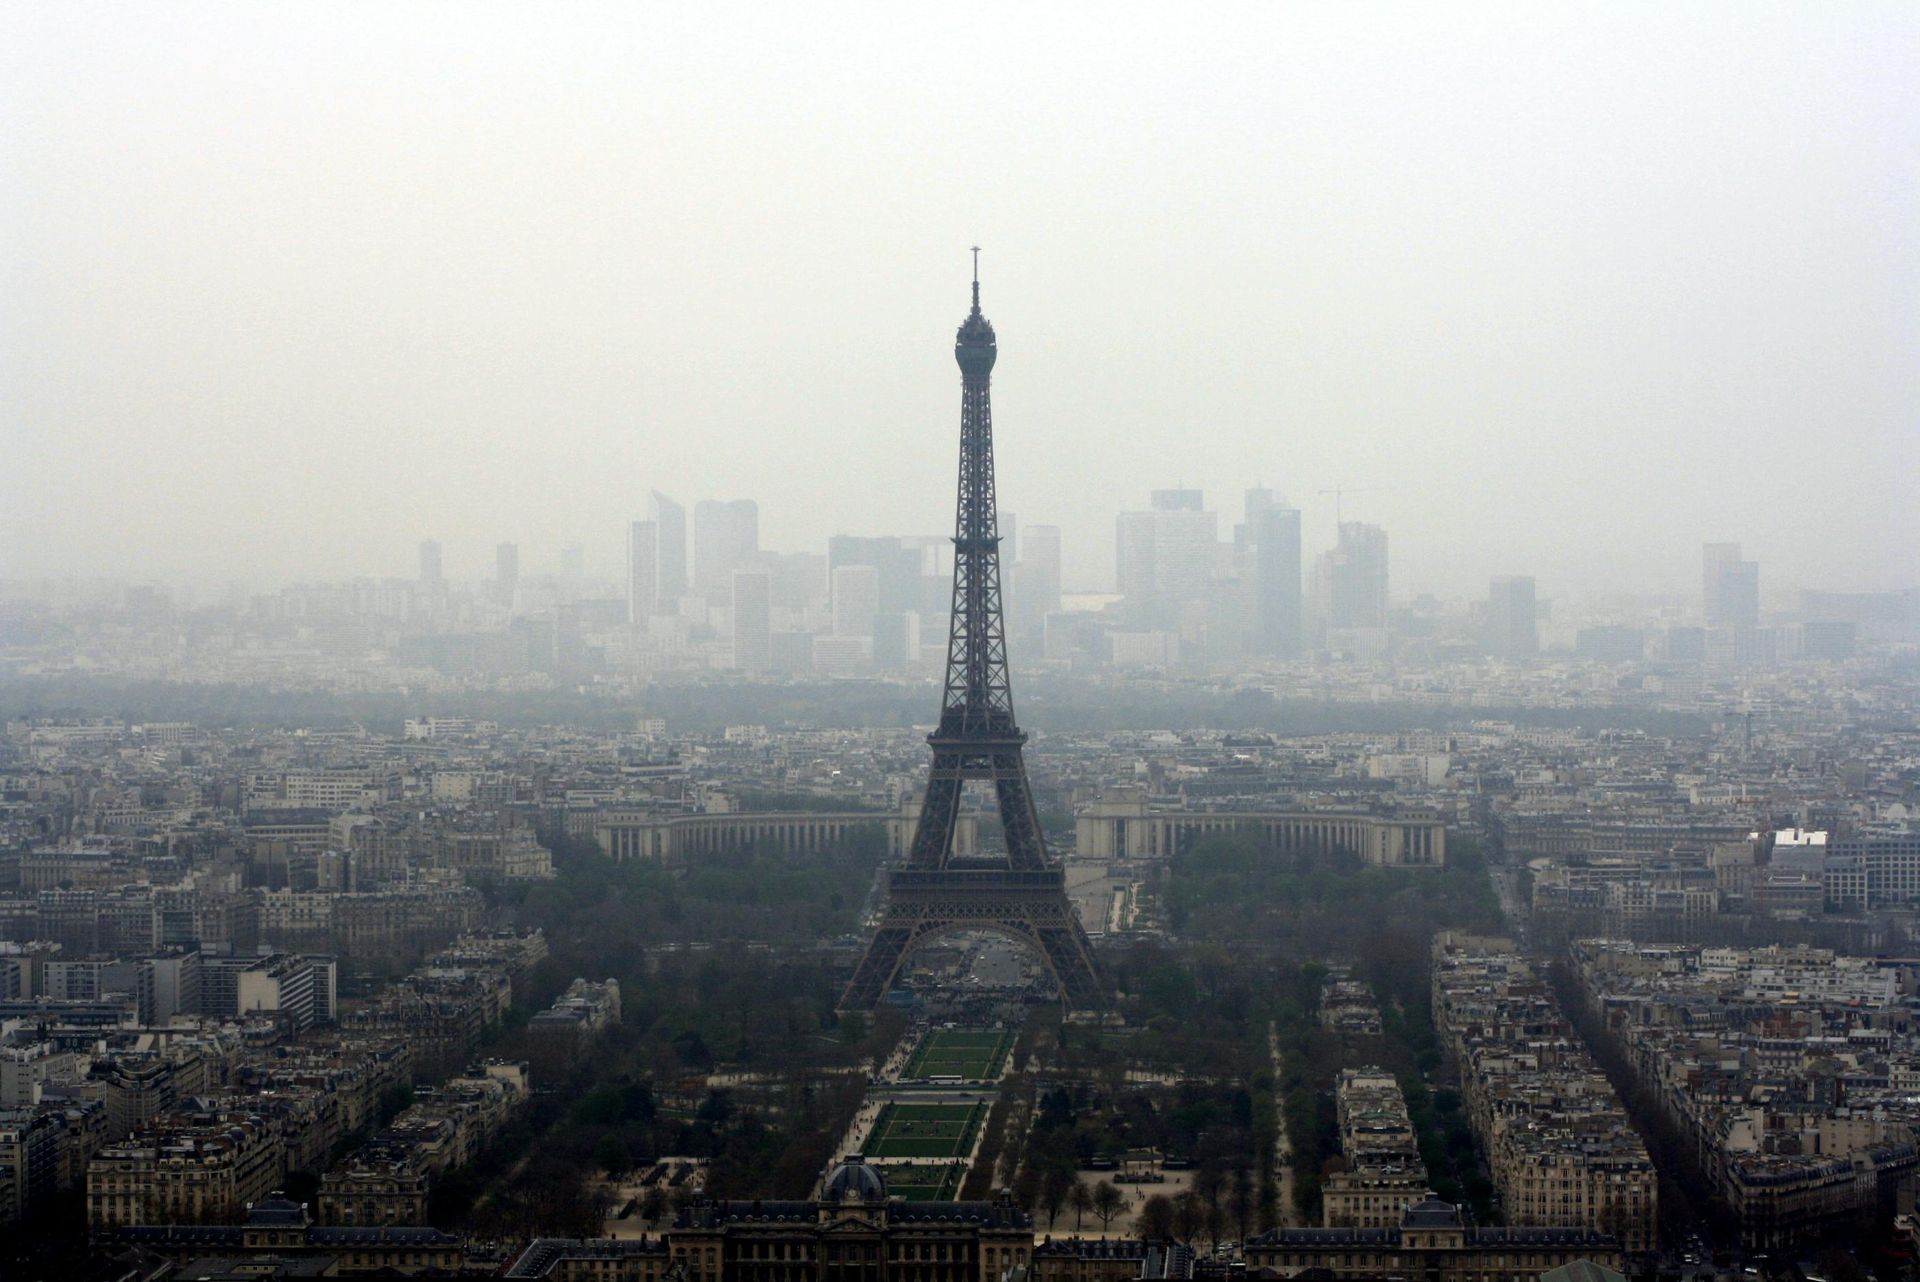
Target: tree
1241,1202
1081,1200
1209,1182
1026,1189
1156,1218
1009,1165
654,1204
1108,1202
1216,1218
612,1155
1055,1187
1189,1216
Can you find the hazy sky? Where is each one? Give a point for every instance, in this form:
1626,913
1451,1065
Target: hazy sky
1570,288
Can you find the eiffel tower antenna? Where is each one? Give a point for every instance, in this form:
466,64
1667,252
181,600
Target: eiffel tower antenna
931,893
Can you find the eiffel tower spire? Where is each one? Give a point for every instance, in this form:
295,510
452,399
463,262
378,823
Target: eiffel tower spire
1023,895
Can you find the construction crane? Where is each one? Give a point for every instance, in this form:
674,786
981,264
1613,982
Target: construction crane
1339,490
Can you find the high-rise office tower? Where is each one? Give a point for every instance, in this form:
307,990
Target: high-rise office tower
897,564
1256,501
1009,537
752,620
670,548
643,576
431,573
1036,581
1042,552
896,640
506,571
1352,578
1273,542
856,600
1513,630
1167,554
726,537
1730,587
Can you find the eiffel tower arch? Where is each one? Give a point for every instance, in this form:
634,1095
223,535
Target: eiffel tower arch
931,893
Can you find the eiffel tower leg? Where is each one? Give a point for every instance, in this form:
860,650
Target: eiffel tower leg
933,832
880,963
1026,847
1070,958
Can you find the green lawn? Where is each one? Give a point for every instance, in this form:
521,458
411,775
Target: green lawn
924,1181
926,1130
976,1054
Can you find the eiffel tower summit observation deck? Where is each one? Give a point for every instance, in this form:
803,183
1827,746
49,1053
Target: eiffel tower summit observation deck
932,893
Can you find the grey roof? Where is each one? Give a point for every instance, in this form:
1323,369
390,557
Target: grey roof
1432,1214
274,1212
542,1254
854,1181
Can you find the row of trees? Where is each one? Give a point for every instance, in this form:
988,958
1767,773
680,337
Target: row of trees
720,966
1257,919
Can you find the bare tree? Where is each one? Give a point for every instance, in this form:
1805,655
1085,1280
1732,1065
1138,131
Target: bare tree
1055,1187
1241,1202
1081,1199
1026,1189
1189,1215
1108,1202
1156,1218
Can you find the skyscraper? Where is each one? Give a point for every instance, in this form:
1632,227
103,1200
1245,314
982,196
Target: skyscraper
896,640
670,548
1177,500
726,537
897,565
1730,587
752,620
1351,580
1167,554
1273,538
1036,582
856,600
430,570
643,576
1512,617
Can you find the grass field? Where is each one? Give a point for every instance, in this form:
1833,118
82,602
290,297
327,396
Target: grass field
971,1053
925,1181
925,1130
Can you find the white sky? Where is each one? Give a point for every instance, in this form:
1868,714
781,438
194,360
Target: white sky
1570,288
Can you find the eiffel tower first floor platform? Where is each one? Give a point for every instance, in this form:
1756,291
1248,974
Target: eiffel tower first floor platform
1031,906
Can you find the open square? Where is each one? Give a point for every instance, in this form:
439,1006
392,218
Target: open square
925,1181
925,1130
971,1054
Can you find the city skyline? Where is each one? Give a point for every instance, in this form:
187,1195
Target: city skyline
1631,290
509,761
609,564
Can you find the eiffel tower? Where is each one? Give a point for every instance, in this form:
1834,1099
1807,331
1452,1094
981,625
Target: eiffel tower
1023,895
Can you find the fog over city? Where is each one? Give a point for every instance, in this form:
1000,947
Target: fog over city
1554,290
982,643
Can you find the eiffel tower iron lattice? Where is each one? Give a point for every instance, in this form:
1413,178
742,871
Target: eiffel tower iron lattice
932,893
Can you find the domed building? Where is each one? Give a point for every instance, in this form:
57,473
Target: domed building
853,1180
854,1232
